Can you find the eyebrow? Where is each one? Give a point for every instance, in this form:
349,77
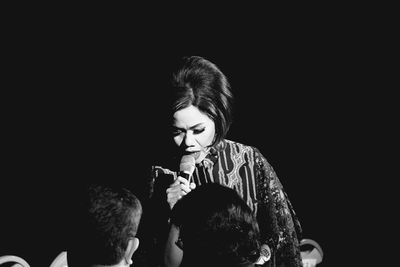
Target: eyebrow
192,127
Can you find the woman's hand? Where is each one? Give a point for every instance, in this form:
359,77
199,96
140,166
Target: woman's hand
179,188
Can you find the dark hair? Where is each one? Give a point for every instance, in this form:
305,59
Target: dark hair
215,221
200,83
112,219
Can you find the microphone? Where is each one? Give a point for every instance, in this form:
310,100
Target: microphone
187,166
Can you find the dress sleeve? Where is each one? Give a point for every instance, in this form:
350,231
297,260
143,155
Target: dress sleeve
279,227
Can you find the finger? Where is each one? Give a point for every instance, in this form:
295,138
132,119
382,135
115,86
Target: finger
185,188
175,190
182,180
175,182
179,190
184,184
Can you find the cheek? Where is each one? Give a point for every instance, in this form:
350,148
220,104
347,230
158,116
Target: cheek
178,140
207,138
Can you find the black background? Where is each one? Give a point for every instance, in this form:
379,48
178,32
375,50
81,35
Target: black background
83,106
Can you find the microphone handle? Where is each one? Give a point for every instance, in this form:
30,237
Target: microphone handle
184,175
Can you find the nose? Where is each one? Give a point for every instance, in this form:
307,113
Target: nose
189,139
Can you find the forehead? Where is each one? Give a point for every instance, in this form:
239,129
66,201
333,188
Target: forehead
189,116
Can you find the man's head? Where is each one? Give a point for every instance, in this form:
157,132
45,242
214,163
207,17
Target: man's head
108,227
216,227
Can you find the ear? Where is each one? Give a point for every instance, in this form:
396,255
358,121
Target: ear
132,247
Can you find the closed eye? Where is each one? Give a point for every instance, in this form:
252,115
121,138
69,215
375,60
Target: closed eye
176,131
198,131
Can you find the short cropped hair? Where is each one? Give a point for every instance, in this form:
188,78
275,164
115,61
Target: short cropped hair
201,83
215,223
112,219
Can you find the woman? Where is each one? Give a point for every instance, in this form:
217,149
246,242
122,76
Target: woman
201,104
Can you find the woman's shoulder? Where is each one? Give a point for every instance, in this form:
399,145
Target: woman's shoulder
240,147
248,150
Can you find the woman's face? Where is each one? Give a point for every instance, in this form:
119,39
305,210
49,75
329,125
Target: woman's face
193,131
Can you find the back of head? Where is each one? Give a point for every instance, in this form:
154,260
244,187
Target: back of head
217,228
104,226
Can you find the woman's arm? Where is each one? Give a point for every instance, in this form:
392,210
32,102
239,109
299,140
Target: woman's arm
173,254
276,216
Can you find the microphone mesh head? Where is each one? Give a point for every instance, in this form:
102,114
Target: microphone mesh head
187,164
